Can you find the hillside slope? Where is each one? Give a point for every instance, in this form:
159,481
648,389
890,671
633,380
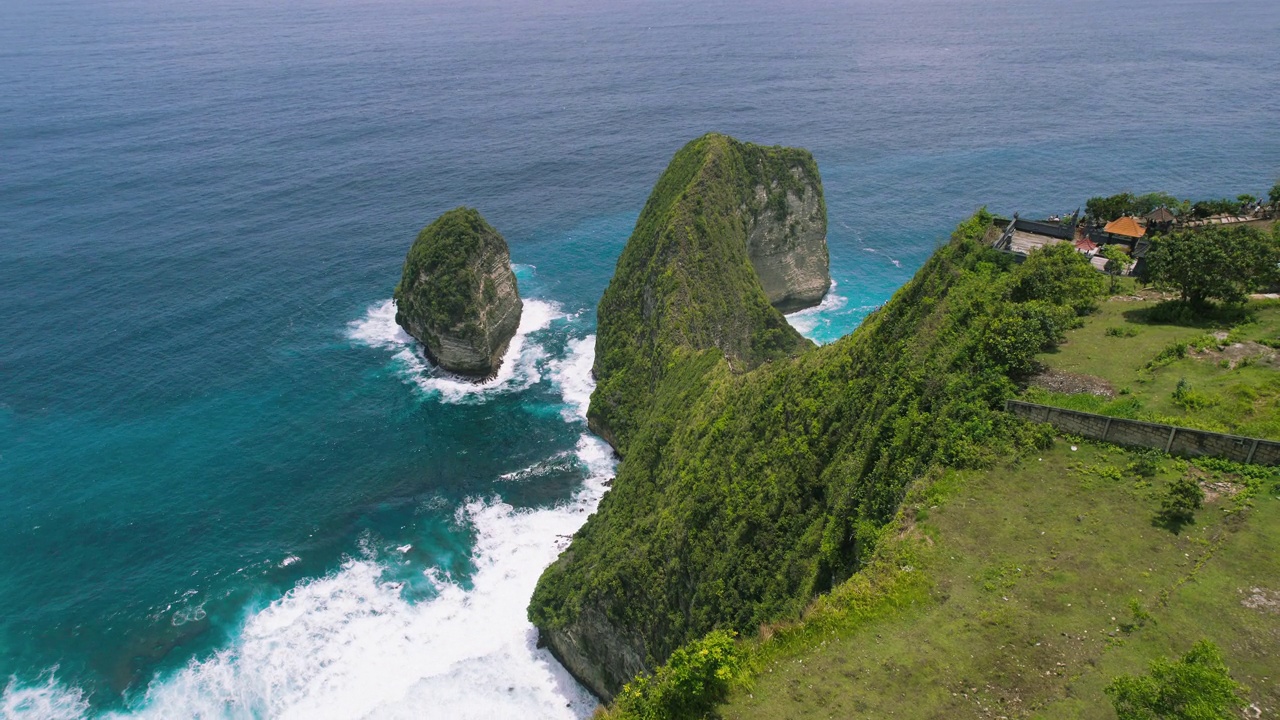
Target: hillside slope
741,496
1021,591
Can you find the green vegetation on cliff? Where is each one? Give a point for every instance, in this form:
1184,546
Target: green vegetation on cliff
684,283
442,252
742,496
1027,589
458,294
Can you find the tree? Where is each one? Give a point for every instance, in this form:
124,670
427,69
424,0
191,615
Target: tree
1012,341
1106,209
1145,204
1059,275
1209,208
1181,500
1196,687
1274,195
1117,262
1214,263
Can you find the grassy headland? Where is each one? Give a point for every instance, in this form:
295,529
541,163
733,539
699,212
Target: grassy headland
1001,578
1022,590
1215,372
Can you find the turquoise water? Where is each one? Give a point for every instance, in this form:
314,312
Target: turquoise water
233,489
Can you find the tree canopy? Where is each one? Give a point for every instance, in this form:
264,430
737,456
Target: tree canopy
1209,208
1106,209
1196,687
1214,263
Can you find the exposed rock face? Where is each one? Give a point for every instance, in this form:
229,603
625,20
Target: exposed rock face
595,652
458,295
788,245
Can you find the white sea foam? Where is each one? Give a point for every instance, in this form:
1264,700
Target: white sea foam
572,375
348,645
520,363
556,463
45,700
808,320
378,327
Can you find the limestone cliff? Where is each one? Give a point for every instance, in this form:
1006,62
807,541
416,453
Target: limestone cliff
787,242
743,494
686,284
458,295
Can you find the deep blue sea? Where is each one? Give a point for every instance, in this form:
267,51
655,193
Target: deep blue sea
230,487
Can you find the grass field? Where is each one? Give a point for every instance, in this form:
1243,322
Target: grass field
1021,591
1226,366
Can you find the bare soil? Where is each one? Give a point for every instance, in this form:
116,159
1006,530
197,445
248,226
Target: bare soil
1235,353
1067,382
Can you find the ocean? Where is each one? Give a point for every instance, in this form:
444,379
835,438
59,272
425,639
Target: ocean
233,488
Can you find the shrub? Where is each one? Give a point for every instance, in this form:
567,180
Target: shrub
1196,687
1171,353
1181,500
1189,399
1147,464
1122,331
693,681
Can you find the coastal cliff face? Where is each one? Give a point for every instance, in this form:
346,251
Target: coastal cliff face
596,652
685,282
744,493
787,242
458,295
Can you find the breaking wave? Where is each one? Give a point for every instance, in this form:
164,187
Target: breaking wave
807,321
349,645
520,363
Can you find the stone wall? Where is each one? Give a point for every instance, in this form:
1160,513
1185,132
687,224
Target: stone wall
1168,438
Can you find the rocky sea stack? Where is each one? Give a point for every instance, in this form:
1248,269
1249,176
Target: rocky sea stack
732,234
458,295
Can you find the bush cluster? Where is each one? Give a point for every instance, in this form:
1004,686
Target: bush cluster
1198,686
689,685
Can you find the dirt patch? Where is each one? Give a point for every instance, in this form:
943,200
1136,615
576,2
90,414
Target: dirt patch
908,528
1261,600
1214,489
1065,382
1219,489
1145,295
1236,353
